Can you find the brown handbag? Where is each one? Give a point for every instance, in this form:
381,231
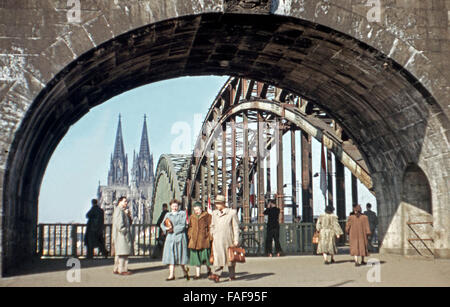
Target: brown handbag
315,238
236,254
169,225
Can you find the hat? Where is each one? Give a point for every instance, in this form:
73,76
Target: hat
329,209
219,199
197,204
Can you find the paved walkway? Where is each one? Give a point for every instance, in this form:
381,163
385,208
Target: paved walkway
259,271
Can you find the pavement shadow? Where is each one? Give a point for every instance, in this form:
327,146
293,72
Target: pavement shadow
247,276
352,261
342,261
39,266
342,283
149,269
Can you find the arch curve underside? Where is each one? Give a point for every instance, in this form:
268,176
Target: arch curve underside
389,114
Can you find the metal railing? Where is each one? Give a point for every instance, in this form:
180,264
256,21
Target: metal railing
67,240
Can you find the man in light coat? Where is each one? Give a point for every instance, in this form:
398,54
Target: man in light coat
122,237
225,233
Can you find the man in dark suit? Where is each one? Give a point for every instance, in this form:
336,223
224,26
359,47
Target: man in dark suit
161,236
94,231
273,228
373,222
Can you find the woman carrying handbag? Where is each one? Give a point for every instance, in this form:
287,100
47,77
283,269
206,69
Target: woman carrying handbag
175,247
328,230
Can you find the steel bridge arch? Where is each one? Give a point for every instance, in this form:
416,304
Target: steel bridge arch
221,111
171,173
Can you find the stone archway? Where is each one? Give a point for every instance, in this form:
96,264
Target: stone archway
411,230
389,97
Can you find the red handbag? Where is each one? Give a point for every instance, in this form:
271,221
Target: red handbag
236,254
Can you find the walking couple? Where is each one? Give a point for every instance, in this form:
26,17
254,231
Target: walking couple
357,227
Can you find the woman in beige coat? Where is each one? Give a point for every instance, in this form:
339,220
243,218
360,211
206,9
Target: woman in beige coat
225,233
329,229
121,233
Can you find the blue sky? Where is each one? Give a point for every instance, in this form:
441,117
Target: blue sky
82,157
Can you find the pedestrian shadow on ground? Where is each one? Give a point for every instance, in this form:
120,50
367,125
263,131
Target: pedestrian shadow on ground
148,269
342,283
246,276
352,261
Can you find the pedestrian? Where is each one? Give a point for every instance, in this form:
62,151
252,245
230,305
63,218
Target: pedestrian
94,236
161,236
175,247
225,233
358,229
122,236
329,229
273,228
199,239
373,223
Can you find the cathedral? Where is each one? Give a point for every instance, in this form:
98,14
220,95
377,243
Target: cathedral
139,190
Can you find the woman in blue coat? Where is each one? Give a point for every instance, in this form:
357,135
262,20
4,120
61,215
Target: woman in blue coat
175,247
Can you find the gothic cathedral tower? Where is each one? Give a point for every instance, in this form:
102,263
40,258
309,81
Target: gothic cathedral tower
118,171
139,193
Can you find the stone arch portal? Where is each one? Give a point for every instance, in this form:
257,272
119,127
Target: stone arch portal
373,81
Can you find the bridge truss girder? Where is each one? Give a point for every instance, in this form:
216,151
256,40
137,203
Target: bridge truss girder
227,152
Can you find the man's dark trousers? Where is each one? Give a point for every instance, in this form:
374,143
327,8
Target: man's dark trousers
273,233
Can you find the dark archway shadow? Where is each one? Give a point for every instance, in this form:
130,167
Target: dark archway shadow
39,266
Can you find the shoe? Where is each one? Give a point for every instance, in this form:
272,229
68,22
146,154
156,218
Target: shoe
332,261
363,263
232,278
170,278
126,273
215,278
186,274
115,272
357,264
197,277
326,262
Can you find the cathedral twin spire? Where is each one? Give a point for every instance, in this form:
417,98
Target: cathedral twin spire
142,171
